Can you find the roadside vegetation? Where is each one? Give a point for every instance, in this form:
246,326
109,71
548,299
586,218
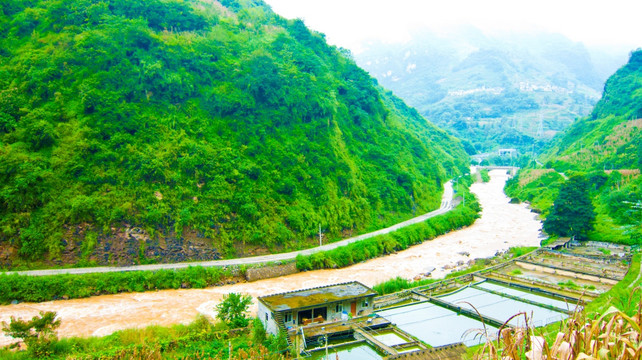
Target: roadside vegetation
23,288
460,216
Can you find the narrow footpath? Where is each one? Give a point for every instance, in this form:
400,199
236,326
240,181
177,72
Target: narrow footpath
446,205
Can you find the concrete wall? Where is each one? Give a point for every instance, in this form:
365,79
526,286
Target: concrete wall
272,271
267,318
568,273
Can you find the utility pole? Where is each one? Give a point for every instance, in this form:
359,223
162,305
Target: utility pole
326,347
320,236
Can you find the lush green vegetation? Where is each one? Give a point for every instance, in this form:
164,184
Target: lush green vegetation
232,310
226,121
591,148
614,198
573,212
39,333
197,340
70,286
398,284
485,177
401,239
537,187
45,288
611,137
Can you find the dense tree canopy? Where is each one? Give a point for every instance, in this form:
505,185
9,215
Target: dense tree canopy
573,212
220,118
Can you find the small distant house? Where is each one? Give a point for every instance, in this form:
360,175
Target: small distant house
317,305
507,152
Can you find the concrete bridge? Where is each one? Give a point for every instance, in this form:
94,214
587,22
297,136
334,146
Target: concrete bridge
511,169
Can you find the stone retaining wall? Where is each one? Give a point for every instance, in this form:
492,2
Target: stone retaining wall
270,271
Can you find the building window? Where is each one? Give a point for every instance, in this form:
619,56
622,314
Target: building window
288,317
267,317
338,308
365,303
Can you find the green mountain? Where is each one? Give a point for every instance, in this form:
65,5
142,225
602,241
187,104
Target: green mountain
603,151
611,137
171,130
494,90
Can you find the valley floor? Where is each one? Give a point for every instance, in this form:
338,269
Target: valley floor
502,225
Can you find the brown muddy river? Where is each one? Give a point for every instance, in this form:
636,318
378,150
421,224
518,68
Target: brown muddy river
501,226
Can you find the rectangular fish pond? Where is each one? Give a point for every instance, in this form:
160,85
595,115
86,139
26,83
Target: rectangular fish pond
559,304
389,338
437,326
502,308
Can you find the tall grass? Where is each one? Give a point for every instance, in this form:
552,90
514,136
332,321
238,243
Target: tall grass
398,284
197,340
44,288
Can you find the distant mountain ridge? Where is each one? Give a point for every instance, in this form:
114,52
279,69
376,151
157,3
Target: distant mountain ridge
168,130
514,90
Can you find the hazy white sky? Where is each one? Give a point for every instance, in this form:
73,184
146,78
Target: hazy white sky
346,22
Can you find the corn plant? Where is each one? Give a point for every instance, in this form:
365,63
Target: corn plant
611,335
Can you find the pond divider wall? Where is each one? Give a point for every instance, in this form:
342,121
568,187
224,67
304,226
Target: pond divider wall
550,269
527,301
454,351
537,287
468,312
604,258
388,301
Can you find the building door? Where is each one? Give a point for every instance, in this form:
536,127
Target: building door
353,308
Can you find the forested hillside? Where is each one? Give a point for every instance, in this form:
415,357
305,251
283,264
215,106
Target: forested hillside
602,154
611,137
160,130
494,91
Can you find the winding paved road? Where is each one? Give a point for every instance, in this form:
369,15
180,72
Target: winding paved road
446,205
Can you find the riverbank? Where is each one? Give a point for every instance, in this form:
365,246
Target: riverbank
502,225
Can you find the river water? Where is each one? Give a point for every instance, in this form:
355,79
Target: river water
501,226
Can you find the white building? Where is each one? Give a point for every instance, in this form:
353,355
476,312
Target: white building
325,304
